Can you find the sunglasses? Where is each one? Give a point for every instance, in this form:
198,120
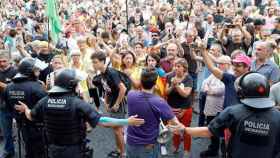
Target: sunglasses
237,64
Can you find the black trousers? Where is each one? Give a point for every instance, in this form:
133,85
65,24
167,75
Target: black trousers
201,103
69,151
215,141
73,151
33,141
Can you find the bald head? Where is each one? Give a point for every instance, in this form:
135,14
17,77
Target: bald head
210,18
261,50
172,49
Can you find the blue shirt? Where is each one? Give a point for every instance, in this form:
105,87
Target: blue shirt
230,92
269,69
151,108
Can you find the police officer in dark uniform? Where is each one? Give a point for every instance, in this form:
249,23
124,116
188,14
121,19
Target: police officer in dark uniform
64,115
254,124
26,88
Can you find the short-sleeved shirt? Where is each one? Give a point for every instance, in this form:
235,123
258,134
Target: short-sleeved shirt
269,69
230,47
230,92
254,132
110,82
174,99
166,65
151,108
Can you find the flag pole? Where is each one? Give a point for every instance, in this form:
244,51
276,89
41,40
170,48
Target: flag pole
126,6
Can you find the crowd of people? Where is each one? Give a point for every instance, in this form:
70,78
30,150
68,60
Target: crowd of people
156,59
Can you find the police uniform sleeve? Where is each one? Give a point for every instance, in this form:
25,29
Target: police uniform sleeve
90,115
37,111
228,78
224,120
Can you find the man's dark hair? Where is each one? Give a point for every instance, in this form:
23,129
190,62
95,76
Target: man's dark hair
259,21
105,35
37,28
148,78
139,43
99,56
13,33
24,21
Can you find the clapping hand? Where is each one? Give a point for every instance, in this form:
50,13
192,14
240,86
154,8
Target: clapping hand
175,82
134,121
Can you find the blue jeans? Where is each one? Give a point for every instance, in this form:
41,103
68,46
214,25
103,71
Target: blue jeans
142,151
6,122
194,77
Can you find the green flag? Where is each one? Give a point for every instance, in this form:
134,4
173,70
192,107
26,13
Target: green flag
54,22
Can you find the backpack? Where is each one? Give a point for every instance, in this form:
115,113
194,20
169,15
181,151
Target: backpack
125,80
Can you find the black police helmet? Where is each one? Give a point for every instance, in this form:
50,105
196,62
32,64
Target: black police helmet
254,90
65,81
26,66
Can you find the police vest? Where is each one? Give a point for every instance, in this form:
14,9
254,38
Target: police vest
26,91
255,133
64,125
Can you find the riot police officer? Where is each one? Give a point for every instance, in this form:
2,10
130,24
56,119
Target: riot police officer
26,88
254,125
64,115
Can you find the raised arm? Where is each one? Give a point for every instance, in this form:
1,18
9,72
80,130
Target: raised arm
211,66
109,121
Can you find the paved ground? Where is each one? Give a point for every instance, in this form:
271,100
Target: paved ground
103,142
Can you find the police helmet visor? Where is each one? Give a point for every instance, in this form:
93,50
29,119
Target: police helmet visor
19,75
57,89
258,103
